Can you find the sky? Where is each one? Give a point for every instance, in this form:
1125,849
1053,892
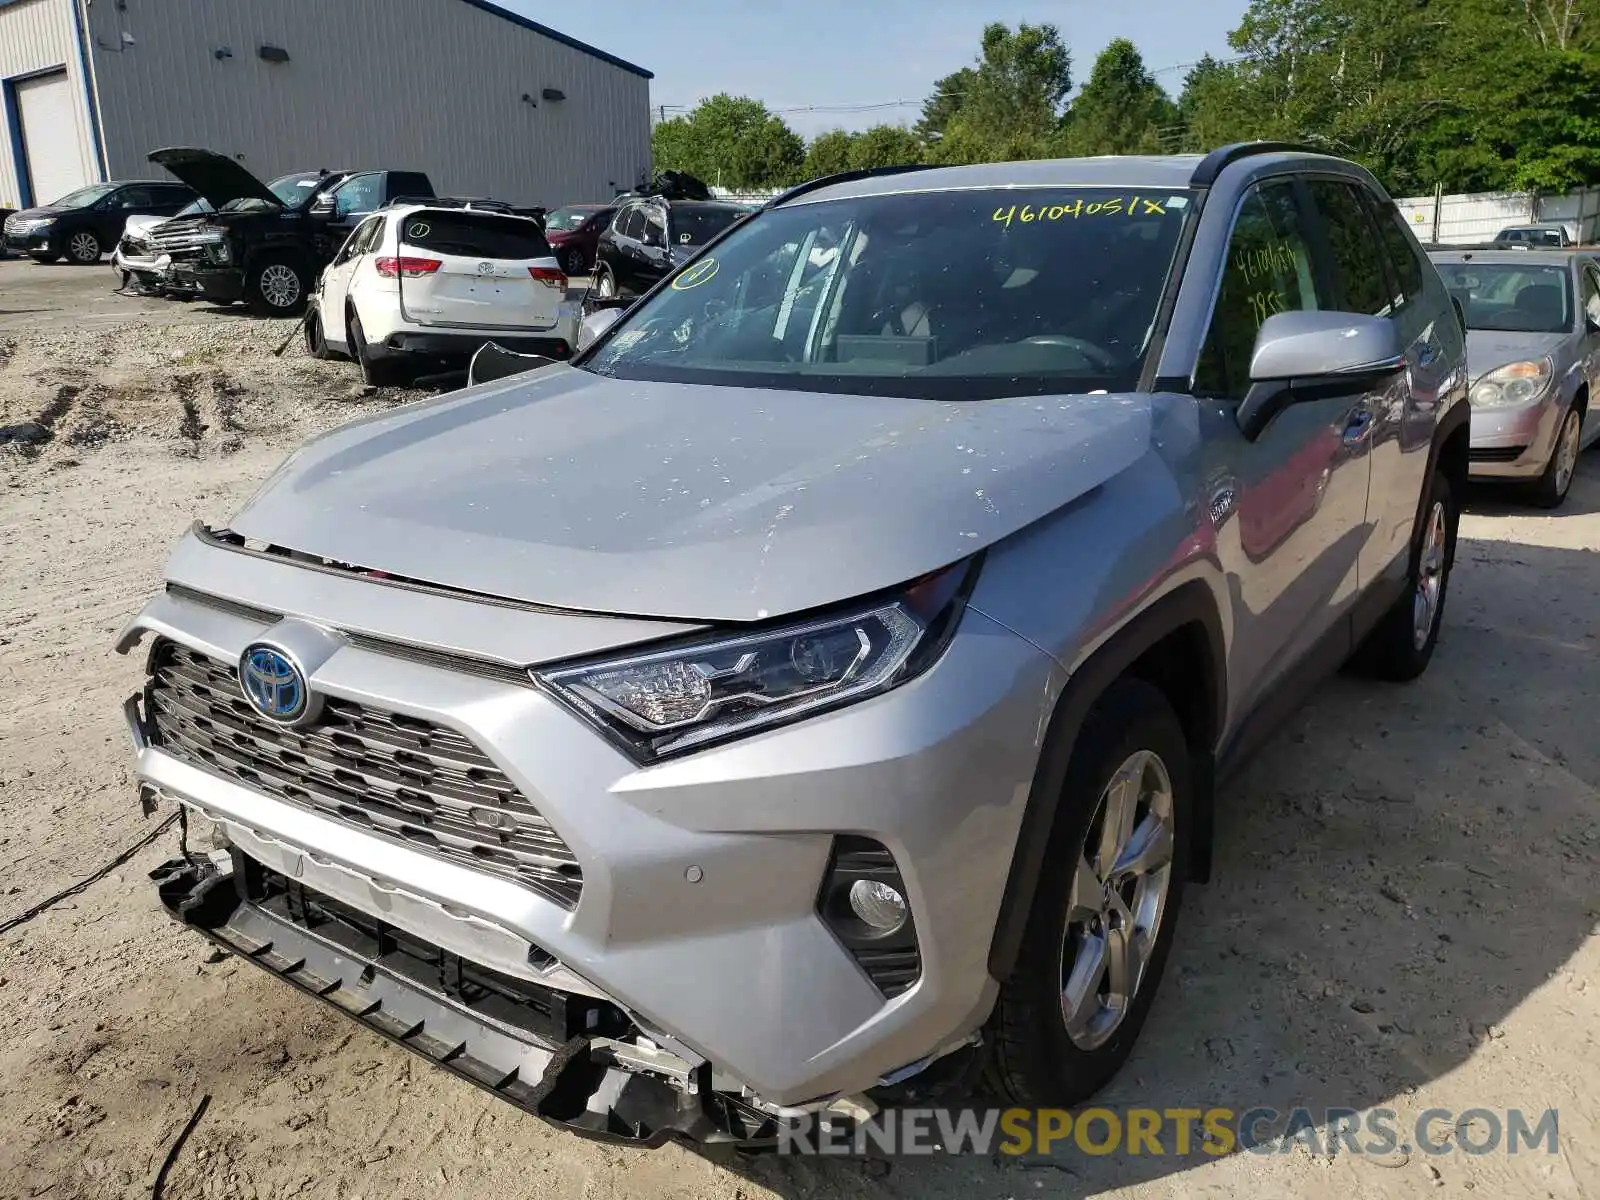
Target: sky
795,54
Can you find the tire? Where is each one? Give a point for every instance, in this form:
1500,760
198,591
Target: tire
44,259
1036,1057
316,344
375,372
83,248
573,262
276,287
1401,647
605,283
1553,486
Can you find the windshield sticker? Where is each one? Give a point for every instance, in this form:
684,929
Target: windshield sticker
1134,206
703,271
305,183
419,229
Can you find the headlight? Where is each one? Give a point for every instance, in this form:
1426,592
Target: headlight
713,689
1513,384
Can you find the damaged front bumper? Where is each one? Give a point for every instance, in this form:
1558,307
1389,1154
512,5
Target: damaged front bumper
571,1060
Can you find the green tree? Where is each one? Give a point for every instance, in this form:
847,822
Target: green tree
1013,104
885,146
939,109
828,154
1122,109
1213,109
730,141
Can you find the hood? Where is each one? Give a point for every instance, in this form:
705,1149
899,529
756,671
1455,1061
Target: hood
1491,348
564,488
38,214
142,224
217,178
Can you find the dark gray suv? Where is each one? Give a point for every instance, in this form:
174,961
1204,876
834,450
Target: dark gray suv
823,686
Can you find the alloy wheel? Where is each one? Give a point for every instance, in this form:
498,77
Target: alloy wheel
1567,451
84,247
280,286
1430,576
1118,898
605,284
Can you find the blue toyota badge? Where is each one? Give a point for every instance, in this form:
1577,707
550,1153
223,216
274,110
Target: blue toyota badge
273,684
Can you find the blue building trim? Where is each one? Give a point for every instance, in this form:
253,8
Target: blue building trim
92,107
19,147
556,36
19,150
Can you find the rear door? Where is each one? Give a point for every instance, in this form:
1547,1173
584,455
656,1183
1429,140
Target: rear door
336,277
466,269
1589,291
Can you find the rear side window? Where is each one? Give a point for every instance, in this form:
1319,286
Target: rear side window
697,226
1353,243
475,235
1591,292
1402,259
1268,271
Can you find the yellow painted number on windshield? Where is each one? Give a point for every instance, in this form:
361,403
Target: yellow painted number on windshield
702,272
1117,206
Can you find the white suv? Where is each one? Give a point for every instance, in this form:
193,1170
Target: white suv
422,284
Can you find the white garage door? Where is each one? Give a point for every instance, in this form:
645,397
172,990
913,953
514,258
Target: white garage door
50,136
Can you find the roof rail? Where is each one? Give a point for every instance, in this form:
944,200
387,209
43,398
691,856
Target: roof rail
842,177
476,202
1214,163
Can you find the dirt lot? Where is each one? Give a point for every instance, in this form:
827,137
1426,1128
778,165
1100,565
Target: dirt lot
1404,914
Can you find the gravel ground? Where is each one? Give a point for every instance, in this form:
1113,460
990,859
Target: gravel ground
1404,914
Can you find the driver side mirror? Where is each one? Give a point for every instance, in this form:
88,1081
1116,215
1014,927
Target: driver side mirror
1302,356
595,324
323,205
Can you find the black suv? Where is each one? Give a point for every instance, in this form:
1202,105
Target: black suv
84,224
267,242
651,236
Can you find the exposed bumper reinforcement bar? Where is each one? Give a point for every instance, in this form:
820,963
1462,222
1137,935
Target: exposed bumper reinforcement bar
584,1086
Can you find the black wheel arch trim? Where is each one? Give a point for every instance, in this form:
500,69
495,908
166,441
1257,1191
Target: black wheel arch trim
1189,604
1457,418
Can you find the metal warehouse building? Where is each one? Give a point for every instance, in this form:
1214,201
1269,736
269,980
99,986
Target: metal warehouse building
486,102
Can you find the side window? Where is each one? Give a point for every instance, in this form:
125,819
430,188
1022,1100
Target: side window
1268,271
1403,258
133,197
634,228
1353,242
360,194
1591,292
357,242
1419,294
619,223
655,228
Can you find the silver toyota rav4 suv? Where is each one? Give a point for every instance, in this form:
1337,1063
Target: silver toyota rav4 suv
819,690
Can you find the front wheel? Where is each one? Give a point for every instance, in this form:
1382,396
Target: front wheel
1551,490
83,248
276,288
1104,914
605,283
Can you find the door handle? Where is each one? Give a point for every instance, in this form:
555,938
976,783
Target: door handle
1358,425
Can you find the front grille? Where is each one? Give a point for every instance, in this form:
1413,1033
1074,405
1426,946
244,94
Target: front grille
169,240
405,778
1496,454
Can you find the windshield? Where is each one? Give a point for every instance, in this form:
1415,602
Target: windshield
697,226
959,295
85,196
195,207
1510,297
564,219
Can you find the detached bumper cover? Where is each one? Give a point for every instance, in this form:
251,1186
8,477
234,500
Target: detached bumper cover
569,1084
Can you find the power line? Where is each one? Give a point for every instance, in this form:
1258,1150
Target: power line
874,105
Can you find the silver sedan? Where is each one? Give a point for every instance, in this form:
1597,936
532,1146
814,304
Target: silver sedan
1533,352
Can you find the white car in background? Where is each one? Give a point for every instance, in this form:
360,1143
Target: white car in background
424,285
136,259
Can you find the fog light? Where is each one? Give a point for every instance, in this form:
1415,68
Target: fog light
878,905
